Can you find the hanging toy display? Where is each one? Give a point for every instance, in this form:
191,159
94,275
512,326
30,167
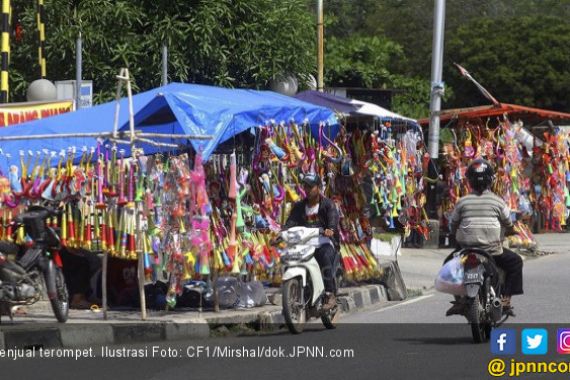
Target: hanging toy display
526,180
190,219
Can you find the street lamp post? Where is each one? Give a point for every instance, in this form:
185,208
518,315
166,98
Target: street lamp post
437,90
437,86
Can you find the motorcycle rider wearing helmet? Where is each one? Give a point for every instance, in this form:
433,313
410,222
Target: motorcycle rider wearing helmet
480,220
318,211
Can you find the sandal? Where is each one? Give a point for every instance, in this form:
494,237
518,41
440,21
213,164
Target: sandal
507,307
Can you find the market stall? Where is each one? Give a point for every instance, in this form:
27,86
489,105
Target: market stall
387,154
530,154
154,203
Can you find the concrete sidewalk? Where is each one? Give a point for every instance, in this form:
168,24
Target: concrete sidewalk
419,267
87,328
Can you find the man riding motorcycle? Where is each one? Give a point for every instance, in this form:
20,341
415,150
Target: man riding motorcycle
480,220
318,211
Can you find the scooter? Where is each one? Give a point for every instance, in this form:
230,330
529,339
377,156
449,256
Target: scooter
22,280
303,289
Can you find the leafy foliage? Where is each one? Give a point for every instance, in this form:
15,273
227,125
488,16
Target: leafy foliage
521,60
240,43
514,48
360,61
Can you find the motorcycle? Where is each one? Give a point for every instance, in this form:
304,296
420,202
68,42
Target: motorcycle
483,283
22,279
303,289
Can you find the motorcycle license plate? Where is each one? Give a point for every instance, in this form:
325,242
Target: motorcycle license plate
472,277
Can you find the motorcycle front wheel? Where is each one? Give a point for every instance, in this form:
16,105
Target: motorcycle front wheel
294,305
60,303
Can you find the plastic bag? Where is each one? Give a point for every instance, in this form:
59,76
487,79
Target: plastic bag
450,278
233,293
251,294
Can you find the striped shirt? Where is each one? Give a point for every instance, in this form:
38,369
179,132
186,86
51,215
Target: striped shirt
480,220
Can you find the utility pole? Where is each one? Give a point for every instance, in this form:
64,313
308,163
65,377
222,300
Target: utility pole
437,90
78,70
164,65
320,46
437,86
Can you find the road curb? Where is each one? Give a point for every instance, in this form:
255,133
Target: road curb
350,301
28,335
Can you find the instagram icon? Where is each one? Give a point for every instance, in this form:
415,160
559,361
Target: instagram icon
563,341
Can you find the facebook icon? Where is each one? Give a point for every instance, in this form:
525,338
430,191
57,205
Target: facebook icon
503,341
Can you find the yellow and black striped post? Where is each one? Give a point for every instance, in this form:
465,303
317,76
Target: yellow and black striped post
42,33
5,52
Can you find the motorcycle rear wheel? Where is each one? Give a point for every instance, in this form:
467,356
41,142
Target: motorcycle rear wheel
294,305
60,303
481,331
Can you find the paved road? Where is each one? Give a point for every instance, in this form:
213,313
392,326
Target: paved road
398,341
546,283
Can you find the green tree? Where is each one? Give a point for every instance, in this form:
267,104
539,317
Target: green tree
235,43
358,61
497,56
410,22
520,60
372,62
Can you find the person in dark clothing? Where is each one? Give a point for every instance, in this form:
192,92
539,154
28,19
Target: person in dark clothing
318,211
81,270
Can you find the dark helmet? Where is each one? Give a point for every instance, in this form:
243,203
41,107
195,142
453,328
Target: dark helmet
480,175
311,179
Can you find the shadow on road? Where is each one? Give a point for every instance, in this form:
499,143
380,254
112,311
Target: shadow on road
443,341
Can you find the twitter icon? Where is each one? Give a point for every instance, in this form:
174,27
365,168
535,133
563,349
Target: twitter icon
534,341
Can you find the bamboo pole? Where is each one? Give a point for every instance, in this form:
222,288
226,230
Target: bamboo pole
174,136
54,136
104,270
155,143
109,135
118,104
133,139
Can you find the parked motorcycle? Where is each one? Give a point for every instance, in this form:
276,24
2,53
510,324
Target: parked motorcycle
303,288
483,283
22,279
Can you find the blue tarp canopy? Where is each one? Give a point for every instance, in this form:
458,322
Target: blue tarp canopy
98,119
174,109
223,113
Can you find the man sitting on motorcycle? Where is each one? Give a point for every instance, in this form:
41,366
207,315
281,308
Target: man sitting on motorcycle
480,220
318,211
